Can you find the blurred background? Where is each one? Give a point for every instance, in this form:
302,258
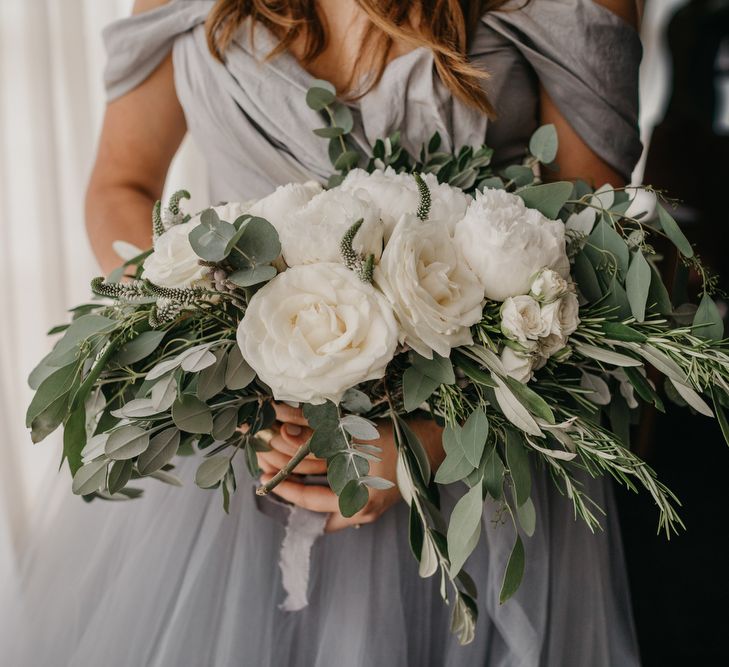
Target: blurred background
51,106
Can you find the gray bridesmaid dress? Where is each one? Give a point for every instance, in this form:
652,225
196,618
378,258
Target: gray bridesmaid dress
170,580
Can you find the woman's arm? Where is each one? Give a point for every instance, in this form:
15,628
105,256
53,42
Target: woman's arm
141,133
575,159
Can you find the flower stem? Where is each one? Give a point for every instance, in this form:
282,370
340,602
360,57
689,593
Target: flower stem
282,474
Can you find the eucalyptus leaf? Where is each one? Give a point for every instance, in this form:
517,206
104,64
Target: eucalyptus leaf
162,448
258,242
417,449
428,558
473,436
253,276
74,438
138,348
56,385
198,358
192,415
416,388
320,95
225,423
637,285
211,380
90,477
353,498
514,411
707,323
82,329
606,246
342,468
517,459
674,233
464,528
359,427
527,515
531,400
493,477
438,368
548,198
543,144
119,475
126,442
586,278
238,374
211,471
514,572
49,420
211,244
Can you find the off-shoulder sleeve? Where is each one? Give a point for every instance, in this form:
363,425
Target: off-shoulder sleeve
136,45
587,59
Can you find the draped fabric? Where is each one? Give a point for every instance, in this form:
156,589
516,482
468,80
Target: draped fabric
170,579
51,104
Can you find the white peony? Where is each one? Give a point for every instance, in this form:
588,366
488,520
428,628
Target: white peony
283,200
396,194
561,317
521,319
313,233
436,297
314,331
548,286
506,243
519,365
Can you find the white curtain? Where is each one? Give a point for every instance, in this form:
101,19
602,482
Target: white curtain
51,106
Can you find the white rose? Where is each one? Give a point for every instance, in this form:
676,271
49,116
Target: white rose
548,286
518,365
283,200
173,263
314,331
396,194
521,319
551,344
436,297
562,316
313,233
506,243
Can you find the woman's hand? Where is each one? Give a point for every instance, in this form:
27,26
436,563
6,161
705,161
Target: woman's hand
295,431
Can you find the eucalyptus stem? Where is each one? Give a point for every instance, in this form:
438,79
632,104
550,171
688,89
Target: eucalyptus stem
282,474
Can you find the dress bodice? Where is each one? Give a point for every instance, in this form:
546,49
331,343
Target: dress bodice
249,119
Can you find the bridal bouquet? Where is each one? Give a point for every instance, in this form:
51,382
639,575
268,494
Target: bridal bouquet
528,319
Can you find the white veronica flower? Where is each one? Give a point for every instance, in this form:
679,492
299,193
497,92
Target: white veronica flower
506,243
434,294
397,194
313,233
316,330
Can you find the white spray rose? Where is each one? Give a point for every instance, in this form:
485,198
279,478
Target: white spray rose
521,319
313,233
506,243
316,330
283,200
519,365
548,286
561,317
550,345
396,194
436,297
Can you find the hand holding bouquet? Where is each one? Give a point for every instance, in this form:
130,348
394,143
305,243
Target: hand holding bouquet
521,316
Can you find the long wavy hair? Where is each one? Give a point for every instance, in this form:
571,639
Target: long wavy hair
443,26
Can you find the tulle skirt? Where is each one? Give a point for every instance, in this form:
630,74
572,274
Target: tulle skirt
170,580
